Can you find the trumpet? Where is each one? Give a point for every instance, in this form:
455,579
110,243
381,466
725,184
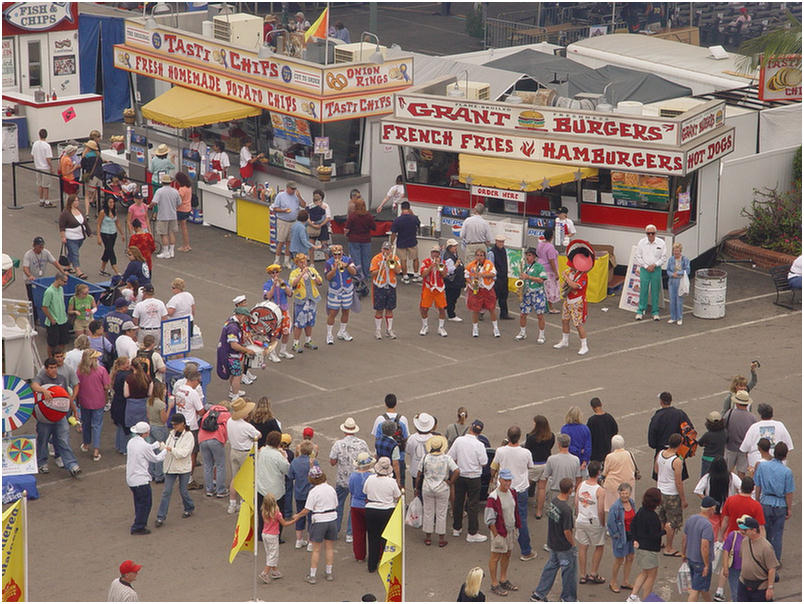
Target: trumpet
440,266
340,265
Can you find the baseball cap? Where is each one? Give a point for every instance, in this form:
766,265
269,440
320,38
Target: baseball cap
708,502
128,566
39,241
308,432
127,325
286,439
747,522
506,474
386,245
563,210
291,185
477,426
714,416
120,302
178,418
148,288
140,428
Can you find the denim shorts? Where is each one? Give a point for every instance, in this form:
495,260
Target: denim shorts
699,583
320,531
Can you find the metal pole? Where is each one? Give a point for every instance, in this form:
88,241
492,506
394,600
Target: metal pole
25,542
402,521
372,17
256,524
13,205
613,10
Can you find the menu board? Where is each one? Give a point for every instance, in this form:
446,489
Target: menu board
290,128
640,190
9,72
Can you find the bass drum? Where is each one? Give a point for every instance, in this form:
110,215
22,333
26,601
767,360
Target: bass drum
265,320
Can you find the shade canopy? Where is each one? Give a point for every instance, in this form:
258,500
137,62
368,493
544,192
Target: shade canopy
516,174
184,108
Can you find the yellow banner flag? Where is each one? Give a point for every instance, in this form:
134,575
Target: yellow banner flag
244,530
14,587
390,568
320,28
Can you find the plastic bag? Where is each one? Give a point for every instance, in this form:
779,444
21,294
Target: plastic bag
684,578
684,285
413,517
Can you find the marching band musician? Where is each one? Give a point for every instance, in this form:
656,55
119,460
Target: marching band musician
454,280
305,281
533,299
480,276
385,267
433,271
277,291
248,377
581,259
339,271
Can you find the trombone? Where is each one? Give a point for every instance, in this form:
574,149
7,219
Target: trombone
392,262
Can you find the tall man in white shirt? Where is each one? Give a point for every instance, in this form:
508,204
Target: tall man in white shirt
148,314
476,233
139,453
470,455
286,207
42,155
650,257
518,460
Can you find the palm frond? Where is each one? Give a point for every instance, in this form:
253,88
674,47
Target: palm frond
782,41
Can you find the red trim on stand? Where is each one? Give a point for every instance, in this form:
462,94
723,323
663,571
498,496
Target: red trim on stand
59,102
627,217
439,196
681,219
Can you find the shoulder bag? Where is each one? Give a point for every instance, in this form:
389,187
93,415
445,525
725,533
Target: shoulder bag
637,474
753,584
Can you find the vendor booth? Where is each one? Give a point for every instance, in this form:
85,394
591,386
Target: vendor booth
307,120
41,67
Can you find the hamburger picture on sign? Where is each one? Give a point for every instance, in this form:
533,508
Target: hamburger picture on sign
531,120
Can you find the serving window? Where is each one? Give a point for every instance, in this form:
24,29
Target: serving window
430,167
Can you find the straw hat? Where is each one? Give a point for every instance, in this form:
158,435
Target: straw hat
383,467
741,398
161,149
349,426
363,461
424,422
241,409
436,445
165,179
91,144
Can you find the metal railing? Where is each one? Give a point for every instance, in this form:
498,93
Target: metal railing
500,33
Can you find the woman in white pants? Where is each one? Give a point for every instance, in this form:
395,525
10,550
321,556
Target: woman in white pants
437,473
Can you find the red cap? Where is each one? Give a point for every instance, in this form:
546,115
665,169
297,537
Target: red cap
308,432
128,566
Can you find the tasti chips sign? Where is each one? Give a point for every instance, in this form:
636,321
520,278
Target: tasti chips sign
649,160
780,79
550,120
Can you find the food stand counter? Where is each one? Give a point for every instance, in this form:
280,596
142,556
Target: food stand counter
218,204
65,118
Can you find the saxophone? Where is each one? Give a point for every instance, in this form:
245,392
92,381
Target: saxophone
474,282
519,284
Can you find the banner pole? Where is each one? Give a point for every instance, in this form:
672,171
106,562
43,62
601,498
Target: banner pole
25,544
402,521
256,524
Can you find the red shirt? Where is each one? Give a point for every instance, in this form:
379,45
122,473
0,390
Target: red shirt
581,279
627,518
360,227
145,243
739,504
434,281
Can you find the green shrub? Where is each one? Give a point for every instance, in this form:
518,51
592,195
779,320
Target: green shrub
797,166
474,23
775,220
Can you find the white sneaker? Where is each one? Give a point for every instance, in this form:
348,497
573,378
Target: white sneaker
250,375
274,358
247,380
520,336
390,334
417,278
344,335
455,319
679,322
456,533
496,333
633,598
671,321
286,355
638,316
540,340
561,344
309,547
475,332
442,332
300,543
331,340
378,334
163,254
51,450
349,539
59,462
232,507
656,317
476,538
287,263
583,350
423,331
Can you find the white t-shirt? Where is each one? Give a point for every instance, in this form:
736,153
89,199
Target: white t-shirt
125,346
222,157
702,488
38,263
245,155
183,303
470,455
199,389
564,230
149,313
517,459
322,498
380,419
771,429
395,194
241,434
73,358
188,403
41,152
381,492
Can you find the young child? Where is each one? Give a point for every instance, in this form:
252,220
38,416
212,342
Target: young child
285,443
97,341
82,306
272,519
142,240
307,435
299,468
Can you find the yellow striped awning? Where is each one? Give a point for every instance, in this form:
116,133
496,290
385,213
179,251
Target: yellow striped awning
516,174
184,108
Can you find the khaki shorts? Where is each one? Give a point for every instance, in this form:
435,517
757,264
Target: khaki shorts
283,230
737,461
471,248
535,473
408,253
670,511
236,459
163,227
503,545
587,534
646,560
43,180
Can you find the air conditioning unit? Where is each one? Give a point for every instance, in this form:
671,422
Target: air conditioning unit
357,52
239,29
478,91
669,112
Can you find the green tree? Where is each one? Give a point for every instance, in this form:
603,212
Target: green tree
784,40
